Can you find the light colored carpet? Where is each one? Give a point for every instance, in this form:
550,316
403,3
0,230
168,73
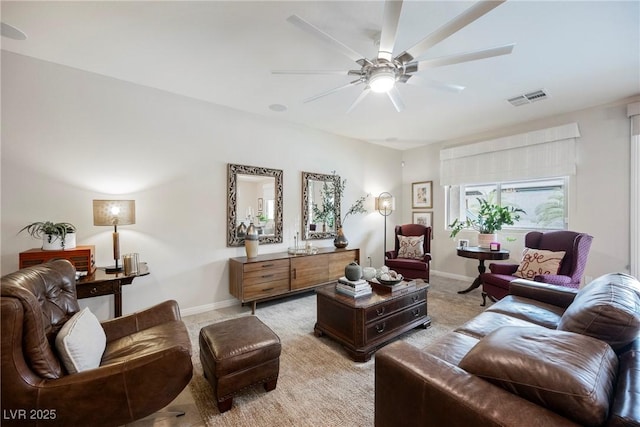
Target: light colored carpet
318,384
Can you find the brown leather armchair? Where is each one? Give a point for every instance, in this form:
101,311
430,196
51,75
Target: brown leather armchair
409,267
146,364
576,246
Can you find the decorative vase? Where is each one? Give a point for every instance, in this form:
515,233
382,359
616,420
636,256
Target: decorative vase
251,241
340,241
51,242
353,271
484,240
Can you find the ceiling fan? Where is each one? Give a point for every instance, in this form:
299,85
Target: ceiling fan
380,74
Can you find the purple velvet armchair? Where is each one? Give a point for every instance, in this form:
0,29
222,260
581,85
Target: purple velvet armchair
411,268
576,246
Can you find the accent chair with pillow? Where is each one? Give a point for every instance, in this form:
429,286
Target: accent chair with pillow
61,366
411,256
554,257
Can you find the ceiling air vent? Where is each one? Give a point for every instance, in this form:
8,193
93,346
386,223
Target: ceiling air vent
528,98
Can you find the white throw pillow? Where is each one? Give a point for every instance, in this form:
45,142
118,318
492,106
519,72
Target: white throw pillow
411,247
538,261
81,342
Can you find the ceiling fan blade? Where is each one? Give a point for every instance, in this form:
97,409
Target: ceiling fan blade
462,57
338,45
395,98
434,84
334,90
336,72
359,99
465,18
390,18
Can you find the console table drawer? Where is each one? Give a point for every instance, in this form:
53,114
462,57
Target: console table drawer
265,266
94,290
381,310
266,289
398,320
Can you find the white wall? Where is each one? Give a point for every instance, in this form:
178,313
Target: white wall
598,193
69,137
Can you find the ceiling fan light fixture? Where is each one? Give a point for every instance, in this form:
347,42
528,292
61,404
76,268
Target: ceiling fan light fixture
382,80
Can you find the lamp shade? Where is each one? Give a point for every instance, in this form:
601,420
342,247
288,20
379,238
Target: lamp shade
114,212
385,204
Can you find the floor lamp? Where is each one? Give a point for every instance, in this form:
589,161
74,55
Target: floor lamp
385,204
114,213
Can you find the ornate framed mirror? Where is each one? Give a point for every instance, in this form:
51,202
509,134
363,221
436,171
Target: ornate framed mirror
320,205
254,195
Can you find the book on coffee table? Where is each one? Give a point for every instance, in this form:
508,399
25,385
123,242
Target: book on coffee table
402,286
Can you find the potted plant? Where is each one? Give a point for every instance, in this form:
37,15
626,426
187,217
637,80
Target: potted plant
55,236
488,221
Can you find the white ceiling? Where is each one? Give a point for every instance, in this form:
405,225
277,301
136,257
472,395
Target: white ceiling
583,53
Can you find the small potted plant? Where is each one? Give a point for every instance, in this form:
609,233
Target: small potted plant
490,219
55,236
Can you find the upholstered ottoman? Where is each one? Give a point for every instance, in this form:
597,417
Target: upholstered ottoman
237,354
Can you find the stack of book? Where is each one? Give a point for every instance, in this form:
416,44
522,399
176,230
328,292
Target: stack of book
353,288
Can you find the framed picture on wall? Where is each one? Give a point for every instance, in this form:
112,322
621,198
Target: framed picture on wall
260,204
421,195
423,218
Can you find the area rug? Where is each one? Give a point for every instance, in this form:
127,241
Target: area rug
318,384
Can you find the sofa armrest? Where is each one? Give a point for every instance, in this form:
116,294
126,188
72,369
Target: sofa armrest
119,327
426,258
506,269
390,255
415,388
559,296
625,407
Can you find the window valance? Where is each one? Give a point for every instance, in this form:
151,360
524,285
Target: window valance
538,154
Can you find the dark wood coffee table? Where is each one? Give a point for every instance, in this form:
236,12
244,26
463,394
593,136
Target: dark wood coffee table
362,325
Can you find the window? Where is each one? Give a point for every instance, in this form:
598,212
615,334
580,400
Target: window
544,201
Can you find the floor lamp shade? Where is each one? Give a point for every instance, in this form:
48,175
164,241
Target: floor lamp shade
385,205
114,213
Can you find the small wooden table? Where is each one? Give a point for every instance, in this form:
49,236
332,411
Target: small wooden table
481,254
100,283
364,324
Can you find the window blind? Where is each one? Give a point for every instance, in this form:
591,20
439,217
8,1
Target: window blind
539,154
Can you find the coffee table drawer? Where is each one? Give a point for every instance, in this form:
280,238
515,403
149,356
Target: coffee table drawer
381,310
389,324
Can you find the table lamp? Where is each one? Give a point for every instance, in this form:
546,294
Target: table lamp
385,204
115,213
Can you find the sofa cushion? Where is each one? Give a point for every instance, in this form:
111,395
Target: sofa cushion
81,342
571,374
538,261
536,312
411,247
607,308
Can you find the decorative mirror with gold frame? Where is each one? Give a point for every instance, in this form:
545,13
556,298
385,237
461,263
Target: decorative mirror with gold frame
320,205
254,195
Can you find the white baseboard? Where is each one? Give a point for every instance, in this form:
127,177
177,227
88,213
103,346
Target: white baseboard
452,276
208,307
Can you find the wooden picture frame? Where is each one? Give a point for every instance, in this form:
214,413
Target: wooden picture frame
423,218
422,195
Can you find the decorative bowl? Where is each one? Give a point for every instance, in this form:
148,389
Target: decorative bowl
389,282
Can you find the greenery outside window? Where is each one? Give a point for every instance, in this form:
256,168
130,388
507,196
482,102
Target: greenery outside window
544,201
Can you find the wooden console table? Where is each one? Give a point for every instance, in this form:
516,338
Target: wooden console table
276,275
481,254
100,283
364,324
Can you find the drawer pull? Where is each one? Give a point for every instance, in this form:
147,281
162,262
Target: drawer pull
415,298
267,289
266,276
416,312
380,327
380,311
294,273
267,265
93,291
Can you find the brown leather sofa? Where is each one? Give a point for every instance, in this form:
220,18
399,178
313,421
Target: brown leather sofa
146,364
545,355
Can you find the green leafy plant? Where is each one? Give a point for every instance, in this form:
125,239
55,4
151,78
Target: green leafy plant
328,193
490,218
53,231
